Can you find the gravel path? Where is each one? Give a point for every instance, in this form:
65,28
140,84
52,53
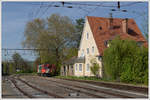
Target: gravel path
9,90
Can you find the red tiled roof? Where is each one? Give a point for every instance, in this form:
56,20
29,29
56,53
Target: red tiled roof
105,33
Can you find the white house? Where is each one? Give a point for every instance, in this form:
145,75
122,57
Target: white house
95,36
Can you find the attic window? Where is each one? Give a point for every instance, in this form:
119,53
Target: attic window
133,23
100,28
116,27
87,35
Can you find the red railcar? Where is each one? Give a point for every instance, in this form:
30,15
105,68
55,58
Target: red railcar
46,70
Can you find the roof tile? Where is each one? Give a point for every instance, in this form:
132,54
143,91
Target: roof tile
105,33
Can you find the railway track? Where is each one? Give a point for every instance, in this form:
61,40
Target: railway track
57,88
82,93
31,91
109,91
95,92
117,86
88,89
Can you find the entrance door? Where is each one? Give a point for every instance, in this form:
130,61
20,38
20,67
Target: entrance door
72,72
65,73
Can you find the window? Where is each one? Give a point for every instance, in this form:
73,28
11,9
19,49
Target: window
82,54
87,35
140,43
93,49
87,67
76,67
100,58
80,67
87,50
100,28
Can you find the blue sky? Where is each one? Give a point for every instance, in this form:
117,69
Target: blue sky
15,15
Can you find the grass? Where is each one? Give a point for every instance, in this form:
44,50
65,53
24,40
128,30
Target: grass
97,79
84,78
26,73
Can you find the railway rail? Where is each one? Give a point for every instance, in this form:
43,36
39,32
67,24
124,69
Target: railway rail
69,90
31,91
140,89
109,92
95,91
47,87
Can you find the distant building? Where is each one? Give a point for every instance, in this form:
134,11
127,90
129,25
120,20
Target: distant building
96,34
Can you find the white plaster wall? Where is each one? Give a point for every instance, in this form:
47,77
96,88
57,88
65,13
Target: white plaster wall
88,43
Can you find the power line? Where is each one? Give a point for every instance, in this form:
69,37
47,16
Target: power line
24,49
125,5
38,10
46,9
81,4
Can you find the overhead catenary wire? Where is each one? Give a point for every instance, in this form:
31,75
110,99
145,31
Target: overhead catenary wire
83,4
79,5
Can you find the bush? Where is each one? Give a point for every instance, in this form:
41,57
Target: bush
94,67
126,61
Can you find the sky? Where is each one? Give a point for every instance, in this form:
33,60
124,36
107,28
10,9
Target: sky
15,15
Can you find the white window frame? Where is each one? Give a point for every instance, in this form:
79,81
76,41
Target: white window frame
92,49
76,67
80,66
87,50
82,53
87,35
87,67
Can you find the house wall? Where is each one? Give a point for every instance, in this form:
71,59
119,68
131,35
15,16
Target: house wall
88,43
67,72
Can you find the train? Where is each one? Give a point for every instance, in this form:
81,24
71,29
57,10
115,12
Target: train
46,70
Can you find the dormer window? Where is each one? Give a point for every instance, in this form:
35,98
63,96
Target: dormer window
87,35
100,28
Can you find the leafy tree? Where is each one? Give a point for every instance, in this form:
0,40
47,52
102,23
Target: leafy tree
126,61
79,28
5,68
19,62
11,68
53,34
36,63
70,52
94,67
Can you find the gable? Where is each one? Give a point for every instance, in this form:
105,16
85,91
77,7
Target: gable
87,43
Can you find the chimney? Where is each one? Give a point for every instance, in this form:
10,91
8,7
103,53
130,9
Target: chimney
110,22
125,25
